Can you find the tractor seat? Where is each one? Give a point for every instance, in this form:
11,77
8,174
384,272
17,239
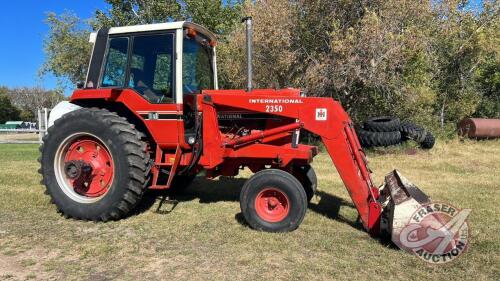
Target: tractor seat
141,85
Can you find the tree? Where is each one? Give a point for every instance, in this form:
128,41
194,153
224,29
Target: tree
369,55
8,112
67,49
456,54
355,51
218,16
29,100
27,115
133,12
487,72
429,61
276,58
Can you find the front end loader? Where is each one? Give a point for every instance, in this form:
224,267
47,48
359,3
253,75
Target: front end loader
150,116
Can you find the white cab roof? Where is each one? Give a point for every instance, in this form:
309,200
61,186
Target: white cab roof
157,26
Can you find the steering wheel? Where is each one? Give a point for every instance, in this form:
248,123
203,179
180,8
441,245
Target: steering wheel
188,89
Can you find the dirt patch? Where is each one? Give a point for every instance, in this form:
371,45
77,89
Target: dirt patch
10,269
26,266
18,137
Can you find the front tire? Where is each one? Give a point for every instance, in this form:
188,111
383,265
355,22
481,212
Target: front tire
273,201
94,165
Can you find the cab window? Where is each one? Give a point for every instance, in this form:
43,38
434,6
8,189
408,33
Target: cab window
152,67
116,63
197,69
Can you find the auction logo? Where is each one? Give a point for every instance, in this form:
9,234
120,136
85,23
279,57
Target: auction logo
437,233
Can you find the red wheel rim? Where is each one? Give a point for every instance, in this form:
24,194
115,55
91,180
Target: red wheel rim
272,205
90,153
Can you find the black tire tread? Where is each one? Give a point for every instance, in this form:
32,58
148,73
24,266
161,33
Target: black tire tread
428,142
267,174
410,131
138,161
382,124
373,139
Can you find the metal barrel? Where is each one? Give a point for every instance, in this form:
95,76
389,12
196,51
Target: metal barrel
479,128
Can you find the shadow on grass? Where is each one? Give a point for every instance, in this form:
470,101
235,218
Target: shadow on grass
228,190
204,190
211,191
329,206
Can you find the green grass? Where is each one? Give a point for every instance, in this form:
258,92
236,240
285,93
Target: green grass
203,238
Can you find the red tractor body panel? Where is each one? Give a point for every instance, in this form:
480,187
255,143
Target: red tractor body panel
166,132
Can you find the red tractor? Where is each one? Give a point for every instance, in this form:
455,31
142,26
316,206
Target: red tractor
150,116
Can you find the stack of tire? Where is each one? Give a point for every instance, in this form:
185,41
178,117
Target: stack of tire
386,131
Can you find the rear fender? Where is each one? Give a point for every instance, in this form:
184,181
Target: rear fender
60,110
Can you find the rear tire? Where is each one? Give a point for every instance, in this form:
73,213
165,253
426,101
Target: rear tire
382,124
410,131
127,157
273,201
428,142
372,139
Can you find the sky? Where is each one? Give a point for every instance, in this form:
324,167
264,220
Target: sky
21,46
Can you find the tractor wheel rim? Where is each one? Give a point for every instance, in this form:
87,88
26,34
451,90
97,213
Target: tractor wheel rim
272,205
84,168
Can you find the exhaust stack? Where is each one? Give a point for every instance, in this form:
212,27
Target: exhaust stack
249,23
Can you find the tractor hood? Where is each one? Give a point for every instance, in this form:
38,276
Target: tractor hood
270,93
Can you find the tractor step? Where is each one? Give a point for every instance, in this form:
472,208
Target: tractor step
170,205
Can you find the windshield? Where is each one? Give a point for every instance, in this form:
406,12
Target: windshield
197,70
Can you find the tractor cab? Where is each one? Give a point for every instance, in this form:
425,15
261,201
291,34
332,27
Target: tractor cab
161,62
155,70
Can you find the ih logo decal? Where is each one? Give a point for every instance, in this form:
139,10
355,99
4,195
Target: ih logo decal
321,114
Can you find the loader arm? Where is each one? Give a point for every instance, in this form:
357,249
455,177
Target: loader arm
340,139
327,119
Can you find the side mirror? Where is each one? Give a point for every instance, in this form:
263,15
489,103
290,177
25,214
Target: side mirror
80,85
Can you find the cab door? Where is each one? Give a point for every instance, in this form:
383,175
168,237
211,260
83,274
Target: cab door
150,73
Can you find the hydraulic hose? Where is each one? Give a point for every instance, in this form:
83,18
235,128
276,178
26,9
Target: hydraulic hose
197,148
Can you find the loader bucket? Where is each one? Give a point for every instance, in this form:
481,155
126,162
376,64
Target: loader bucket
400,199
